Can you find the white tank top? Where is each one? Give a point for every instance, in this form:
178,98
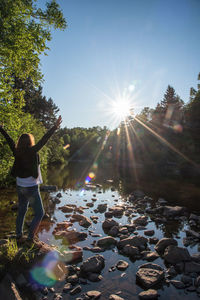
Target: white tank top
30,181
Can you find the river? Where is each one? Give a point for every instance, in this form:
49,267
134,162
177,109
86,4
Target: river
78,184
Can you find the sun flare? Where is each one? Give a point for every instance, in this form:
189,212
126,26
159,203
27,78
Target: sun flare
121,109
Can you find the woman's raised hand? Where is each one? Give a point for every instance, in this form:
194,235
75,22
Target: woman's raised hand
58,122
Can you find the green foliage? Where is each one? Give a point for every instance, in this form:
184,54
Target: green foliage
11,249
25,31
15,123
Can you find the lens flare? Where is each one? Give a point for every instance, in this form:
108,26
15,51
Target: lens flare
49,271
90,176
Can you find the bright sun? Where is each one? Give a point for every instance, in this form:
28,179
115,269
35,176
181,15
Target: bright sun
121,109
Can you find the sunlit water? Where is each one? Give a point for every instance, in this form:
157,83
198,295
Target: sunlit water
116,281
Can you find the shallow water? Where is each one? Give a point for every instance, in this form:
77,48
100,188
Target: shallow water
73,191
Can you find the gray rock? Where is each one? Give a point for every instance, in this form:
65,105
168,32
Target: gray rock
191,267
136,241
153,240
76,290
171,271
93,264
150,255
106,242
178,284
117,210
131,251
115,297
149,294
151,266
94,277
186,280
149,277
109,223
172,211
67,287
142,220
149,232
174,254
102,207
164,243
122,265
93,294
73,279
114,231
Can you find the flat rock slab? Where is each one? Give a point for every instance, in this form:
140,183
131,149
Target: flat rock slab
136,241
115,297
174,255
172,211
164,243
122,265
106,241
178,284
93,264
149,277
109,223
149,294
93,294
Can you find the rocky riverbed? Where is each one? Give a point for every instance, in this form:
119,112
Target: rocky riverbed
99,245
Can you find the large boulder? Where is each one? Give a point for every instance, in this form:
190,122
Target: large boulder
102,207
117,210
164,243
83,221
93,264
141,221
109,223
174,255
172,211
136,241
131,251
149,275
106,241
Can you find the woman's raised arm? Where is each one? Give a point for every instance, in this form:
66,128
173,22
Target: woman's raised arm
9,140
47,135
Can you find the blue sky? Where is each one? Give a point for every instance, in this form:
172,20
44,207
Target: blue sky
113,48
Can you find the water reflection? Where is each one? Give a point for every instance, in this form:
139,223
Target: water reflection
107,187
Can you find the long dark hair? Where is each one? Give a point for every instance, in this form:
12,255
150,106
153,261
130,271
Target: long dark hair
26,140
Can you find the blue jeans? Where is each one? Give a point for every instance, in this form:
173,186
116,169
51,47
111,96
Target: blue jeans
29,195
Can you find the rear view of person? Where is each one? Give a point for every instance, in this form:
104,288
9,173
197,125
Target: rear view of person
26,169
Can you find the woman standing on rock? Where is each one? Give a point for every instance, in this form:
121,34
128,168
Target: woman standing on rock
26,169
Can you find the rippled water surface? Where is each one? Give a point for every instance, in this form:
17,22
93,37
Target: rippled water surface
74,191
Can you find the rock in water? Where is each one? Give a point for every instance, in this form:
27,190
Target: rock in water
174,255
149,277
149,294
93,264
164,243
